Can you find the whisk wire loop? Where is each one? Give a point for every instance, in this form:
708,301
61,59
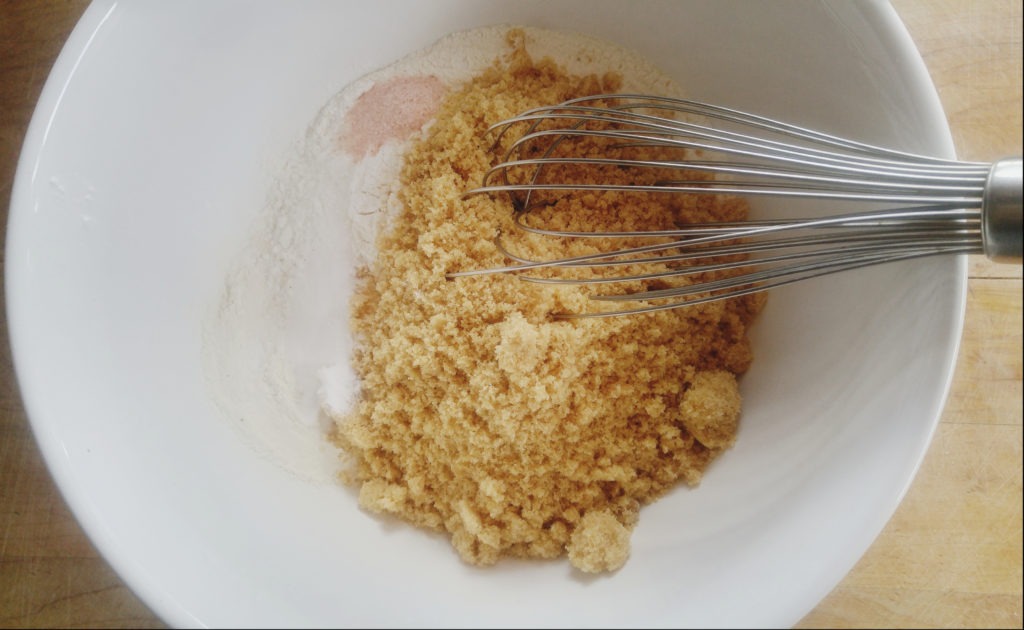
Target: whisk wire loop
923,205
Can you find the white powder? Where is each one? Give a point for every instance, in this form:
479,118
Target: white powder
277,346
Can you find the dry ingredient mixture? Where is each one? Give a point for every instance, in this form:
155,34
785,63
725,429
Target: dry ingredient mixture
482,416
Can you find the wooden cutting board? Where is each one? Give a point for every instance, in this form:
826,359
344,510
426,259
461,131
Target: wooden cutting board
949,558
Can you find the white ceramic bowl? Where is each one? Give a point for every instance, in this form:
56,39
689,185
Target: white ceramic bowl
145,161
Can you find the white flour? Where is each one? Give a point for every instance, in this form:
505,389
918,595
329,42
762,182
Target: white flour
277,345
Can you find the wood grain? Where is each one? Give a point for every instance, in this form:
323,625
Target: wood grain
950,557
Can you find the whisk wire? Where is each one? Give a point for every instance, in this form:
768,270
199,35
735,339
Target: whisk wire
928,206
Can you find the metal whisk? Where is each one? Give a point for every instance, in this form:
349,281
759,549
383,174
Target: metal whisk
918,205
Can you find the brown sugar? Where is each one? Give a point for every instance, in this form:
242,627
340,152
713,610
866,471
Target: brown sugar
482,416
598,543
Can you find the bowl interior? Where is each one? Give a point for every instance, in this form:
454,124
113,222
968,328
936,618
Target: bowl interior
149,159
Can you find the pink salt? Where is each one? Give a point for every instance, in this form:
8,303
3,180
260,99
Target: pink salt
390,110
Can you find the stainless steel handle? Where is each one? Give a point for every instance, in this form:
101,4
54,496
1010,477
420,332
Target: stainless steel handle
1001,212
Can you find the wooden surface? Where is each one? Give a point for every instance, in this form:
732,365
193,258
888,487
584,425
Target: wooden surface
951,555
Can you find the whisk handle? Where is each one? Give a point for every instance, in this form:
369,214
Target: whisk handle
1001,212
